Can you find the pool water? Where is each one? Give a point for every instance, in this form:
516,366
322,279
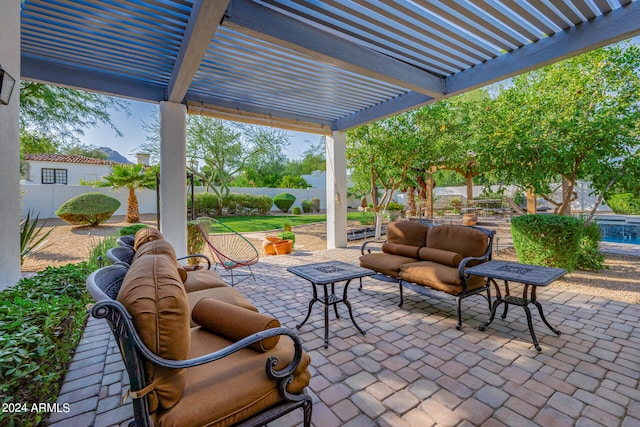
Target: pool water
621,233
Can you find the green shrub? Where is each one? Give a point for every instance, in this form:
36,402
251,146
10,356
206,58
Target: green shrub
41,322
624,204
131,229
589,256
395,206
295,210
32,237
367,218
208,204
548,240
288,235
306,206
284,201
315,202
195,242
89,208
98,253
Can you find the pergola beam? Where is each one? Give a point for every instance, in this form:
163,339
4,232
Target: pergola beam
264,23
397,105
53,73
618,25
203,22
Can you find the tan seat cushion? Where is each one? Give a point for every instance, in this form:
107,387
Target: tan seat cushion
437,276
440,256
153,294
385,263
230,390
234,322
145,235
160,247
198,280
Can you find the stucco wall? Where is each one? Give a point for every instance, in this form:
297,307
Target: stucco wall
75,171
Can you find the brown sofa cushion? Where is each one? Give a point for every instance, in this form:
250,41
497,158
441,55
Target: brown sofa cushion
440,256
225,294
145,235
155,247
234,322
153,294
400,249
227,391
198,280
410,233
458,238
438,276
385,263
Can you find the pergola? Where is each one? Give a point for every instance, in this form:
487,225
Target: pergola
316,66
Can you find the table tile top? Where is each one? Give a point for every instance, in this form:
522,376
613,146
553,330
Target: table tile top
515,272
330,272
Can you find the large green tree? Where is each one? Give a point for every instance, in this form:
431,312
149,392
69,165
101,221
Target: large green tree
574,120
131,177
380,155
52,116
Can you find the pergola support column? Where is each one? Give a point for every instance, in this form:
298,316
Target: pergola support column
336,146
10,148
173,172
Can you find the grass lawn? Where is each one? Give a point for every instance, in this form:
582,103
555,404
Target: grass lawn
248,224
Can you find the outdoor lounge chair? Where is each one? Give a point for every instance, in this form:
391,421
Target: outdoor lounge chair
230,249
201,378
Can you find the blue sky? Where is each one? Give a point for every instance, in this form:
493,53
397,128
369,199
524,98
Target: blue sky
134,135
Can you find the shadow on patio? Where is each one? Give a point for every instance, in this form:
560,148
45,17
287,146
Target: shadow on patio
413,368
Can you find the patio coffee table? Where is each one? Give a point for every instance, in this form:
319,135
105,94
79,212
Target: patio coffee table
532,276
325,273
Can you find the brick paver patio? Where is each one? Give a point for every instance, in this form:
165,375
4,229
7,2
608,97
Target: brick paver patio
413,368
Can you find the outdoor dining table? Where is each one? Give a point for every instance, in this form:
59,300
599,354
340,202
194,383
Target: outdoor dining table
532,276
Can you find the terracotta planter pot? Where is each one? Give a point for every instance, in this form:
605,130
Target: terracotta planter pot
267,245
469,219
283,247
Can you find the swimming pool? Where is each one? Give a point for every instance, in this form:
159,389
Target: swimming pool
622,230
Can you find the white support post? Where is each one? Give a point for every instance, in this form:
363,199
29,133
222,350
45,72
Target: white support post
10,148
337,190
173,172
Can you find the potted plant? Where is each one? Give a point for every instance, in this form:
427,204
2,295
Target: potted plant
286,225
288,235
267,244
394,209
195,241
283,247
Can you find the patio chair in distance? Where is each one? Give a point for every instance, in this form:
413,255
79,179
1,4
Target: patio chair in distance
230,249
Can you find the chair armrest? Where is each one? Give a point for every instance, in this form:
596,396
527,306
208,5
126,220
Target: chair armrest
368,242
103,309
198,256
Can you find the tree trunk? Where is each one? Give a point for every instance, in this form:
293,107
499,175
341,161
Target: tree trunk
430,185
412,200
469,178
567,195
133,214
531,201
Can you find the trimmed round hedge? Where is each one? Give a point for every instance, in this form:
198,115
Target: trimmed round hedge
88,209
547,240
284,201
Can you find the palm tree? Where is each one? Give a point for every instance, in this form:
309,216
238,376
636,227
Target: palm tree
132,177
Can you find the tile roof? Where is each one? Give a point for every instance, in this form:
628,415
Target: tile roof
63,158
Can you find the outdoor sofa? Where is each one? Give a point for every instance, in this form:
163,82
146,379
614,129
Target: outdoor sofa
234,367
426,258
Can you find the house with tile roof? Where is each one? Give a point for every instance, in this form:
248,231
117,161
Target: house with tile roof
65,170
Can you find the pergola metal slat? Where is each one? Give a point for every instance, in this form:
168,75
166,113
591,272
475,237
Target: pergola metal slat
426,60
236,44
432,25
503,16
552,13
75,43
402,34
125,31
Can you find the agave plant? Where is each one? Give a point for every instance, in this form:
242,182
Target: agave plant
32,237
